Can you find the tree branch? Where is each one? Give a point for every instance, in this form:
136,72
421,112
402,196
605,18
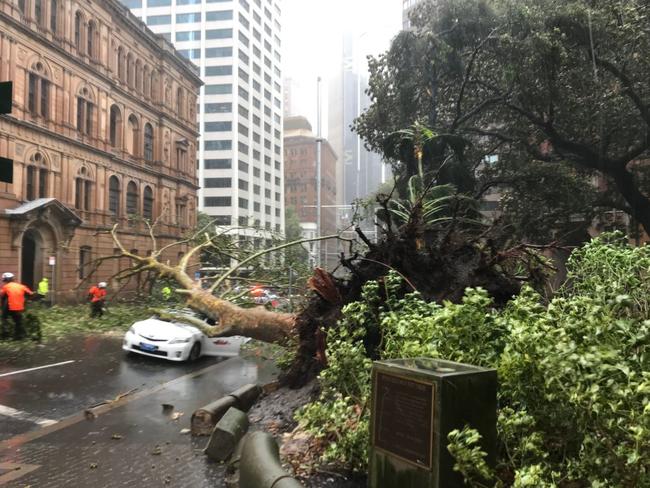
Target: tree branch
262,253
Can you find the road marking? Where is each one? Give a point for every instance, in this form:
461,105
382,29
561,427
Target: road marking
20,415
34,369
21,439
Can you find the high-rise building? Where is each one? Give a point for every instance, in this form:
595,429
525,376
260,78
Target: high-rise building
102,132
300,149
236,44
360,172
290,90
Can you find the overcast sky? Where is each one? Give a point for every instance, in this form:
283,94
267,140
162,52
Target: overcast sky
311,32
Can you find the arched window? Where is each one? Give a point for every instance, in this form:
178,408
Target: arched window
114,196
53,15
133,135
85,112
148,142
78,24
36,178
146,82
129,70
138,76
38,97
83,190
90,39
38,11
147,203
180,103
154,87
30,188
132,198
115,126
120,64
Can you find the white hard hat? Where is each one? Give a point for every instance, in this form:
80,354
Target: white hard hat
7,276
101,284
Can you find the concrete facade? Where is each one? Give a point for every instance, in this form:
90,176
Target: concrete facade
103,131
236,44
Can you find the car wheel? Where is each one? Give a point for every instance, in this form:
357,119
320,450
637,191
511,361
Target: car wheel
195,352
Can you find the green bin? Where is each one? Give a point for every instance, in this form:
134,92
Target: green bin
415,404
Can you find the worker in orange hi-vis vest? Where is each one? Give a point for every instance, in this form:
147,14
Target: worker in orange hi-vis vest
96,296
12,295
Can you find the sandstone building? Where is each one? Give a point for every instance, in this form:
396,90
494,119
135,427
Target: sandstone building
301,184
103,131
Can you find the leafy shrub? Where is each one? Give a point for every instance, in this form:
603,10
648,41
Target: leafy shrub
574,374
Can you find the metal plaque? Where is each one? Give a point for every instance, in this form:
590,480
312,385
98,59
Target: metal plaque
403,418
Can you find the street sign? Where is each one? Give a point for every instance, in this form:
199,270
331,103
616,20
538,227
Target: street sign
197,275
6,97
6,170
52,260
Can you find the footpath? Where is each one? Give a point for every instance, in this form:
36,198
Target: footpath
136,441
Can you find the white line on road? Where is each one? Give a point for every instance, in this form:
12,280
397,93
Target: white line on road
20,415
34,369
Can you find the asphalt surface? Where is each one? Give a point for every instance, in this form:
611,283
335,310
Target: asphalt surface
100,371
130,442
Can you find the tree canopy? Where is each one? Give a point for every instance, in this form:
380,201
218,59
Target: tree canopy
556,88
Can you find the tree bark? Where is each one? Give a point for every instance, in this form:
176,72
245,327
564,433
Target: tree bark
257,323
638,202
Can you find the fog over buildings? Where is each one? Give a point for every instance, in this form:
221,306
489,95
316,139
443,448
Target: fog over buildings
332,40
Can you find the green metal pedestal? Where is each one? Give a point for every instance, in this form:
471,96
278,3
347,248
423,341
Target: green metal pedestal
416,403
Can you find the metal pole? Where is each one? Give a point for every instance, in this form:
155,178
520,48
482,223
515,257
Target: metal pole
358,185
319,142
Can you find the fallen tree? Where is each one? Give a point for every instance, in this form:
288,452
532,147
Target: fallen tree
439,258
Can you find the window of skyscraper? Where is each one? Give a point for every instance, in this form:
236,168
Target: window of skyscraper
218,70
188,2
244,21
132,3
188,36
159,19
218,34
217,182
218,89
159,3
218,52
223,145
187,18
217,201
219,15
217,126
218,163
217,108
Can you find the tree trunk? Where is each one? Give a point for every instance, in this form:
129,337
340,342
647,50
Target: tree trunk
638,202
257,323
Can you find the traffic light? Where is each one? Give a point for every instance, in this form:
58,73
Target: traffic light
6,170
6,97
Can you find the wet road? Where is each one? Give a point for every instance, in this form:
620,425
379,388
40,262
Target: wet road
79,372
134,442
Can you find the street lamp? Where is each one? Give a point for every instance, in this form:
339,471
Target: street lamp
319,143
